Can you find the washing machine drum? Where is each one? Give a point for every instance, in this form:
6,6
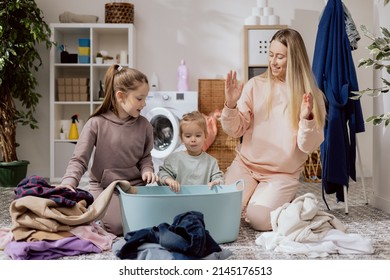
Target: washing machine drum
165,131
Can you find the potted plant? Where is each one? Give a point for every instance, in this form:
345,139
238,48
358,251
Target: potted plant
380,49
22,28
99,58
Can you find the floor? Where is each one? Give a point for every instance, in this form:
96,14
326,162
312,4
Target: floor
362,219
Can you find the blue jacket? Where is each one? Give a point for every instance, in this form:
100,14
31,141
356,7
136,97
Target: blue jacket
335,73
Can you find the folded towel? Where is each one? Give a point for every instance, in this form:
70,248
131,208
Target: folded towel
68,17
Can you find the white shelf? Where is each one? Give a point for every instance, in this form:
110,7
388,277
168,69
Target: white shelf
256,44
112,38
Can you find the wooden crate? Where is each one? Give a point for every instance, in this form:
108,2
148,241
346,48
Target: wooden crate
212,98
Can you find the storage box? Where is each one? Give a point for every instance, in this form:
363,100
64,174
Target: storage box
69,96
61,89
84,51
153,205
61,96
76,96
68,81
60,81
75,81
84,59
84,97
83,81
84,42
76,89
83,89
68,89
258,44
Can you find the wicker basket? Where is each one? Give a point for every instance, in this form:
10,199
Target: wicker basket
313,168
223,148
211,95
119,13
211,98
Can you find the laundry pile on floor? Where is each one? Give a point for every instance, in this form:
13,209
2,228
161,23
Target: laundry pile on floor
300,227
49,223
185,239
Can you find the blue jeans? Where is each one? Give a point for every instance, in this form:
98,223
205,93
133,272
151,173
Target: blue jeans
187,238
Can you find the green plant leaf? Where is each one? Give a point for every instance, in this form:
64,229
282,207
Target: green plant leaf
376,121
370,119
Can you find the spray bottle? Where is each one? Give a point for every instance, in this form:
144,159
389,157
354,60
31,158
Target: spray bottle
73,132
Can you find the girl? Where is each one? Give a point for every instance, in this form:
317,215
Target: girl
122,138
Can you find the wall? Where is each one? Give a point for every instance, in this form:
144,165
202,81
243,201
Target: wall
381,144
207,33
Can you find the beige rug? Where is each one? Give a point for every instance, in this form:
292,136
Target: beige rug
362,219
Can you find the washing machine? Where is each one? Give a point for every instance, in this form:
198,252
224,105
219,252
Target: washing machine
164,109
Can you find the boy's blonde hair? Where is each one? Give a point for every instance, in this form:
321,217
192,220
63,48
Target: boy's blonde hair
194,117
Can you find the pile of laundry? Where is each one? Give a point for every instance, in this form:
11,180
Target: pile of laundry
49,222
185,239
300,227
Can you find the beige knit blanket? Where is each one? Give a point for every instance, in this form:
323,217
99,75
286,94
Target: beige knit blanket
31,214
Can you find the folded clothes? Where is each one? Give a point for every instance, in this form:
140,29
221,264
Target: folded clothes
68,17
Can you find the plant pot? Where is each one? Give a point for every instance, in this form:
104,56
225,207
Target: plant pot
99,60
11,173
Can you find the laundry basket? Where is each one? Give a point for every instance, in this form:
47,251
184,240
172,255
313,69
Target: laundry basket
153,205
312,171
119,13
212,98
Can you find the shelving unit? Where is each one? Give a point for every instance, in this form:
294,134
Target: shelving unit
112,38
256,43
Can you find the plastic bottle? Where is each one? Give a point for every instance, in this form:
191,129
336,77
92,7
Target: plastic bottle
73,132
182,76
154,83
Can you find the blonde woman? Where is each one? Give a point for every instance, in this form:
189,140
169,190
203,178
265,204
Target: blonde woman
280,116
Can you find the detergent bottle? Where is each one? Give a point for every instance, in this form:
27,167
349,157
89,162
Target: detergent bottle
73,132
182,76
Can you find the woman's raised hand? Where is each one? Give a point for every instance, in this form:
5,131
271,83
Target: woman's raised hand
307,107
233,89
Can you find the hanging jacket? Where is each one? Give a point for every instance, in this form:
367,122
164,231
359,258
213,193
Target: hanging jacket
335,73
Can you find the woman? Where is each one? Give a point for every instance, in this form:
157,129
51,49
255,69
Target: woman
280,116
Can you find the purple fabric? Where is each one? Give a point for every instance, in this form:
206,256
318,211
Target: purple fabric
48,250
38,186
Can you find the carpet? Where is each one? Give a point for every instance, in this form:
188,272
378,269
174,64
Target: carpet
362,218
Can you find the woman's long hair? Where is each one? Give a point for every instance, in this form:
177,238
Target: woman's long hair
299,77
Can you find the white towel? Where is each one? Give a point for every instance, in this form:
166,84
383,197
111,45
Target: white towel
300,227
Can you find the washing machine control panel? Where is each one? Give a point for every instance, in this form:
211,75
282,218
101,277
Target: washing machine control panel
182,101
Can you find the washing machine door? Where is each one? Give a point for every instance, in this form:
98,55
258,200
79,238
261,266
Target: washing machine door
165,131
